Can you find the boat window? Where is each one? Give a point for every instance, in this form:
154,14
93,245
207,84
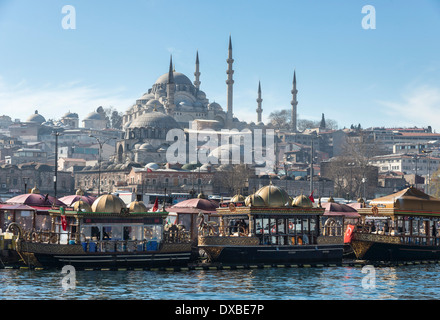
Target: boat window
281,226
86,231
7,219
415,227
305,225
313,225
111,232
152,232
259,226
24,219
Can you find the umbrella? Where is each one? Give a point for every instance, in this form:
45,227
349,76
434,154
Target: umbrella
35,199
69,200
195,205
333,208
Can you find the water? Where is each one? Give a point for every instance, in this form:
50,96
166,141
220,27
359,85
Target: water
417,282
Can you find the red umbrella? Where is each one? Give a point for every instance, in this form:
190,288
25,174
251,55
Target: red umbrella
333,208
69,200
35,199
195,206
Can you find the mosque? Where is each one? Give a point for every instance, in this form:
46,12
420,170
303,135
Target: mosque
174,101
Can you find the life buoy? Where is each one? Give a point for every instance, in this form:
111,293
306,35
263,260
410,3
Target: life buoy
291,226
374,210
274,229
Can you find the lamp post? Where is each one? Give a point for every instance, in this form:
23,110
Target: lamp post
429,170
56,134
416,158
101,143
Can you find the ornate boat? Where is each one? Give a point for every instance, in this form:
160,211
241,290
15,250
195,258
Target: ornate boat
107,234
269,227
398,227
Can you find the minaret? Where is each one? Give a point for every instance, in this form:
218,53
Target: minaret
230,83
259,100
294,104
322,124
171,88
197,73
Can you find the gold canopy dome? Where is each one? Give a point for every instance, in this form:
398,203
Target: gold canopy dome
79,192
81,205
238,198
137,206
302,201
273,196
108,203
254,200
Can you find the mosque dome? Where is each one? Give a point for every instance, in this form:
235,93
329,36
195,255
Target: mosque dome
214,106
152,166
302,201
36,117
71,115
147,147
274,196
254,200
108,203
179,78
137,206
154,103
93,116
81,205
156,120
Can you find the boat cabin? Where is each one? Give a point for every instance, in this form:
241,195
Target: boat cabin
109,225
410,214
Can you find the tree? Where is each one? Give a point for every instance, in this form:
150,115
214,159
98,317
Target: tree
280,119
232,178
113,117
352,174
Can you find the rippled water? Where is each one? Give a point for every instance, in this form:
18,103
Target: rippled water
330,283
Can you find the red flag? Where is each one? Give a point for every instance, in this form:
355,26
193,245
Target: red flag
63,219
156,205
149,170
311,197
348,233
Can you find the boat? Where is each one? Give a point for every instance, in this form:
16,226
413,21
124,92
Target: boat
270,227
402,226
107,234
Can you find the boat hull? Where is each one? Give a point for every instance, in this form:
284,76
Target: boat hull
248,254
388,248
57,256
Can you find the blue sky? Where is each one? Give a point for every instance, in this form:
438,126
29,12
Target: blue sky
389,76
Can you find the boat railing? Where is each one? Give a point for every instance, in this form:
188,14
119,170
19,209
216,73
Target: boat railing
107,245
404,237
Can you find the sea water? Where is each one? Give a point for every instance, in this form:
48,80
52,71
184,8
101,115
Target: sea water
409,282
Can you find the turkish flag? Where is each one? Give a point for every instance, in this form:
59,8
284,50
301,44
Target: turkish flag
311,197
149,170
156,205
349,233
64,223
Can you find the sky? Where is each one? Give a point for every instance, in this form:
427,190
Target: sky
388,76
